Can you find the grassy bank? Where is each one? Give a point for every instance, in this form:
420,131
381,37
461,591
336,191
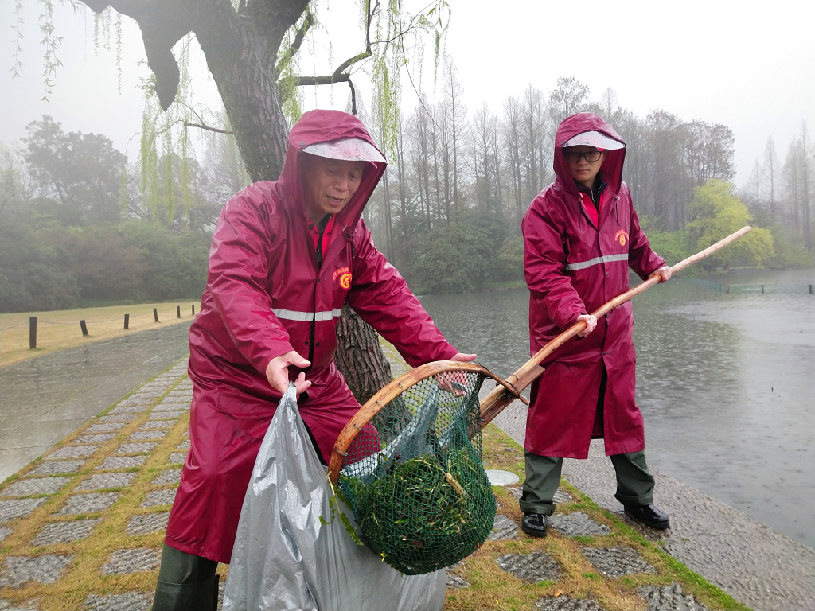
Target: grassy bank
493,588
59,329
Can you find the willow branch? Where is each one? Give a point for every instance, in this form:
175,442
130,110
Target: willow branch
340,74
309,21
352,60
353,98
212,129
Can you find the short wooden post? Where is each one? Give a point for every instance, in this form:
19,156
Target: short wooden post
810,289
127,321
193,305
32,332
178,311
728,289
155,314
762,289
84,328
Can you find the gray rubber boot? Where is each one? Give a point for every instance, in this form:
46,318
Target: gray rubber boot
185,582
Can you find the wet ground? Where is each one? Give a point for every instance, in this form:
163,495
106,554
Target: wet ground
724,382
46,398
747,559
755,564
82,528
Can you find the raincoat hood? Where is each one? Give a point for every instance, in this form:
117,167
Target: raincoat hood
612,168
314,127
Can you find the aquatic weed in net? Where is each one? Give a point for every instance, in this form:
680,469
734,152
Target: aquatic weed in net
414,477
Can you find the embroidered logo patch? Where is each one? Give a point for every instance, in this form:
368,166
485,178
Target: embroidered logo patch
621,236
345,277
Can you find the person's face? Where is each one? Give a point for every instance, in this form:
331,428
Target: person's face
329,184
584,171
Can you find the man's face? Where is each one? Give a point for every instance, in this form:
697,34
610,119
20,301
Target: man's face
329,184
584,171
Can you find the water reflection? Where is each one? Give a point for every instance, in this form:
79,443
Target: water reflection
725,383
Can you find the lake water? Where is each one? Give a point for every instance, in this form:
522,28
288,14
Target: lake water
725,382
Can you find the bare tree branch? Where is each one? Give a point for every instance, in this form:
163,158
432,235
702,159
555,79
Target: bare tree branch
212,129
302,81
353,98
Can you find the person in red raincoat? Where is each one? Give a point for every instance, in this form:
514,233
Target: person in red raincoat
581,235
285,257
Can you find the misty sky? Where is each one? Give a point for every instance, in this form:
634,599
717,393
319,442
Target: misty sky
748,65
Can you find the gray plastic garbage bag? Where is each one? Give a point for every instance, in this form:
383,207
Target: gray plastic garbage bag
286,558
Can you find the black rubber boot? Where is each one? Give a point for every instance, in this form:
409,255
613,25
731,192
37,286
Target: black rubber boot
186,582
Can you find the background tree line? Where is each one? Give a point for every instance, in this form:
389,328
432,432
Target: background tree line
449,212
79,224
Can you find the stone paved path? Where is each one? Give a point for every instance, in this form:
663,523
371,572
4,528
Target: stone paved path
118,473
756,565
98,506
111,493
46,398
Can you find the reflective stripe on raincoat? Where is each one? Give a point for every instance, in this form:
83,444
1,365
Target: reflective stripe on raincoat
572,267
265,296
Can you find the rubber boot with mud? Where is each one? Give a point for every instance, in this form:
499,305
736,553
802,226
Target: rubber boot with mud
186,582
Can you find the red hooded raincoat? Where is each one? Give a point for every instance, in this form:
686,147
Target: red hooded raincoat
573,264
266,295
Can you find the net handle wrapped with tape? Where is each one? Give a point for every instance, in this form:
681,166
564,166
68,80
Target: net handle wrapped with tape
388,393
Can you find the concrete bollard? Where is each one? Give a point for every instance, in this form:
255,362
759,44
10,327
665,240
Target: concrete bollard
32,332
84,328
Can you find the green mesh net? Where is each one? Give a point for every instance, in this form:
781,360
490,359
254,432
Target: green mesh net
413,476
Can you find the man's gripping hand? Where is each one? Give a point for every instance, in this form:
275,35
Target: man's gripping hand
277,372
664,274
591,322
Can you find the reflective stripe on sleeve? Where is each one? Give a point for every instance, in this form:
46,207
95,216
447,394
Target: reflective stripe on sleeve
307,316
596,261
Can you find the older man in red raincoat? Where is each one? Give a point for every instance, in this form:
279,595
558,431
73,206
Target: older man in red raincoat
285,257
581,235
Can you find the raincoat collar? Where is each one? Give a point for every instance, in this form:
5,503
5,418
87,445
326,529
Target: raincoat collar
612,168
324,126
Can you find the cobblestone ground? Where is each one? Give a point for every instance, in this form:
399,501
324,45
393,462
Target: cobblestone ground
93,511
81,528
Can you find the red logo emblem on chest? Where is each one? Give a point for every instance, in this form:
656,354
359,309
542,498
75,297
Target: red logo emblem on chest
345,277
621,237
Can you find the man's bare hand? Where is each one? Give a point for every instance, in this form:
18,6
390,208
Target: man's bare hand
455,381
591,322
664,274
277,372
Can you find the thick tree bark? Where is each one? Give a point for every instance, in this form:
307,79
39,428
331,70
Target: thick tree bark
359,356
241,48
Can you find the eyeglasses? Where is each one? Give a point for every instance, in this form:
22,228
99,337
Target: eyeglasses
574,157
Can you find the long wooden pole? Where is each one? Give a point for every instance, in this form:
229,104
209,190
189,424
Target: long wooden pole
495,402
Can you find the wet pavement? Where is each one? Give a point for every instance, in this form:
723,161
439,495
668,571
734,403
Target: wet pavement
77,490
46,398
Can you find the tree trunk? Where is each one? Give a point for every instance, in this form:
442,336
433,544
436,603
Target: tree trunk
359,356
